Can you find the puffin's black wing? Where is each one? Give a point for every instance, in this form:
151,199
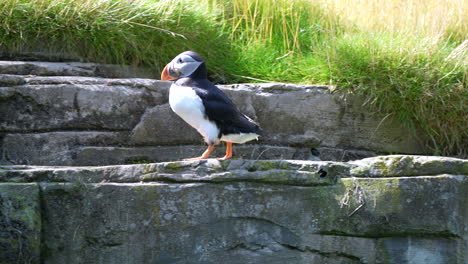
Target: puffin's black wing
221,110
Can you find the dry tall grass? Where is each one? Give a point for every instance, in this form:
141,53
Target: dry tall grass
429,18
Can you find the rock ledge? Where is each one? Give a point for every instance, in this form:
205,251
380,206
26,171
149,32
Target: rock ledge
386,209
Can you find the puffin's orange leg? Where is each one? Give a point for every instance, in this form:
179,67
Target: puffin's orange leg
228,151
205,154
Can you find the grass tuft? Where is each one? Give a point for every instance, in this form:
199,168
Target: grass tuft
420,83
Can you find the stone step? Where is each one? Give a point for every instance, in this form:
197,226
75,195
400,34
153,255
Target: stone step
315,172
40,68
85,148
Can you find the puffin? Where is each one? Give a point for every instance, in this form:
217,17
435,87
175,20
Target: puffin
205,107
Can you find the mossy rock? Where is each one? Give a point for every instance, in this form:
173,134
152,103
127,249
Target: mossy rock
20,223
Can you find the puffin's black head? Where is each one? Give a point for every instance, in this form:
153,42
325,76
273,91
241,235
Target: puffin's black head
186,64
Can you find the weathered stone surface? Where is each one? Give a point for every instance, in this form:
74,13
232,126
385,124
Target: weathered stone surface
56,148
160,125
408,250
247,211
20,223
11,80
248,222
72,106
403,165
71,69
339,154
47,68
92,148
125,155
279,171
307,173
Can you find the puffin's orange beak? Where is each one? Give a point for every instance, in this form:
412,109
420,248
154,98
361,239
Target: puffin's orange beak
165,75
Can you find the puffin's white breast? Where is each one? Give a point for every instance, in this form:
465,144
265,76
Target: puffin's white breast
189,106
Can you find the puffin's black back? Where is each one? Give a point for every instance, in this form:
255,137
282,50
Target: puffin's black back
218,107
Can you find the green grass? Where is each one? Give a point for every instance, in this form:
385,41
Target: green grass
418,83
139,33
407,58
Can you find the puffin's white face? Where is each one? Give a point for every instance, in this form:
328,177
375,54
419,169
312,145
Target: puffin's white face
181,66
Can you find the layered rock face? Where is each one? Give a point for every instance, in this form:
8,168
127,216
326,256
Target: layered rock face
388,209
306,194
73,114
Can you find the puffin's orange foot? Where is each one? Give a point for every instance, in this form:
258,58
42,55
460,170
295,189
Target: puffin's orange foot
227,156
228,151
205,154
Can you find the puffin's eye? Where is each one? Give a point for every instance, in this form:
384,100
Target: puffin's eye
180,60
